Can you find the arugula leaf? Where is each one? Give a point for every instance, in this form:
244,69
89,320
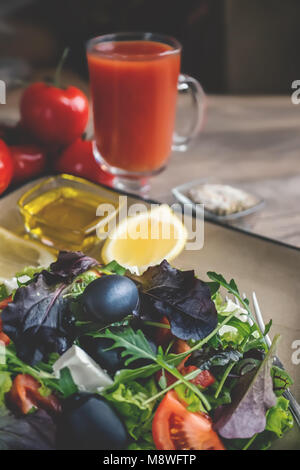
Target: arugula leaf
137,347
232,288
43,373
133,343
179,295
35,431
251,398
208,357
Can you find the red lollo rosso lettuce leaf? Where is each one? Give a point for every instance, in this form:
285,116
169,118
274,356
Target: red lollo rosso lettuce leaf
35,431
179,295
38,320
251,398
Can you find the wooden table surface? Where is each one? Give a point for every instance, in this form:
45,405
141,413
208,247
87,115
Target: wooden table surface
250,141
253,142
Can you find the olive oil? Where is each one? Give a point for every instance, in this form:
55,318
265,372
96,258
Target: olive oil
63,217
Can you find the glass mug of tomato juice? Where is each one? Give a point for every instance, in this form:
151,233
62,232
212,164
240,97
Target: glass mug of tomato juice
134,79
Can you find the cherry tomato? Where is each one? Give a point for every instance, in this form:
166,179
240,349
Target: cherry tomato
29,161
3,337
163,336
78,159
6,166
25,395
4,303
54,115
176,428
204,379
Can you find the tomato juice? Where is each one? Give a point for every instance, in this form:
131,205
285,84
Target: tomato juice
134,91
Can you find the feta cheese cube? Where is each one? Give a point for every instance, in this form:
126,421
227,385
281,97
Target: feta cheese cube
86,373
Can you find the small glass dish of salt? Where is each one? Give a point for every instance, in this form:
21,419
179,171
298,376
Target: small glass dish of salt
222,202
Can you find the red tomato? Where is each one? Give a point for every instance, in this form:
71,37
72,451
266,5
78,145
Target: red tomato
204,378
25,395
29,161
6,166
78,159
163,336
54,115
176,428
4,303
3,337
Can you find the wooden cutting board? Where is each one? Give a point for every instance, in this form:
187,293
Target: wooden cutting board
270,269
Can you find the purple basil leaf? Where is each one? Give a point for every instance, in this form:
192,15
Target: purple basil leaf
251,398
70,264
179,295
38,320
35,431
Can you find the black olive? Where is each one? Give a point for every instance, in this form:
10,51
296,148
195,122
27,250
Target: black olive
110,360
88,422
258,354
110,298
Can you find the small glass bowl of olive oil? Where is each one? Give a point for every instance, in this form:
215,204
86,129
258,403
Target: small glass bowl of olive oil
61,212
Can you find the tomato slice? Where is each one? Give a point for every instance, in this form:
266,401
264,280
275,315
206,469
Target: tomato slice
176,428
25,395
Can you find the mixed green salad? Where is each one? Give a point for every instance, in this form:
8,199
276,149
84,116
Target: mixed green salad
94,357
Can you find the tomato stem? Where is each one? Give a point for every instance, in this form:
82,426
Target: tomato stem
57,75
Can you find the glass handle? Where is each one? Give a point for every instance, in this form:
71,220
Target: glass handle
187,84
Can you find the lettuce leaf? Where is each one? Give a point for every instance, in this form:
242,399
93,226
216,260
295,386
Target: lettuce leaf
3,292
129,400
281,380
251,398
279,418
5,386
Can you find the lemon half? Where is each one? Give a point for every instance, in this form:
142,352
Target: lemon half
16,253
146,239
